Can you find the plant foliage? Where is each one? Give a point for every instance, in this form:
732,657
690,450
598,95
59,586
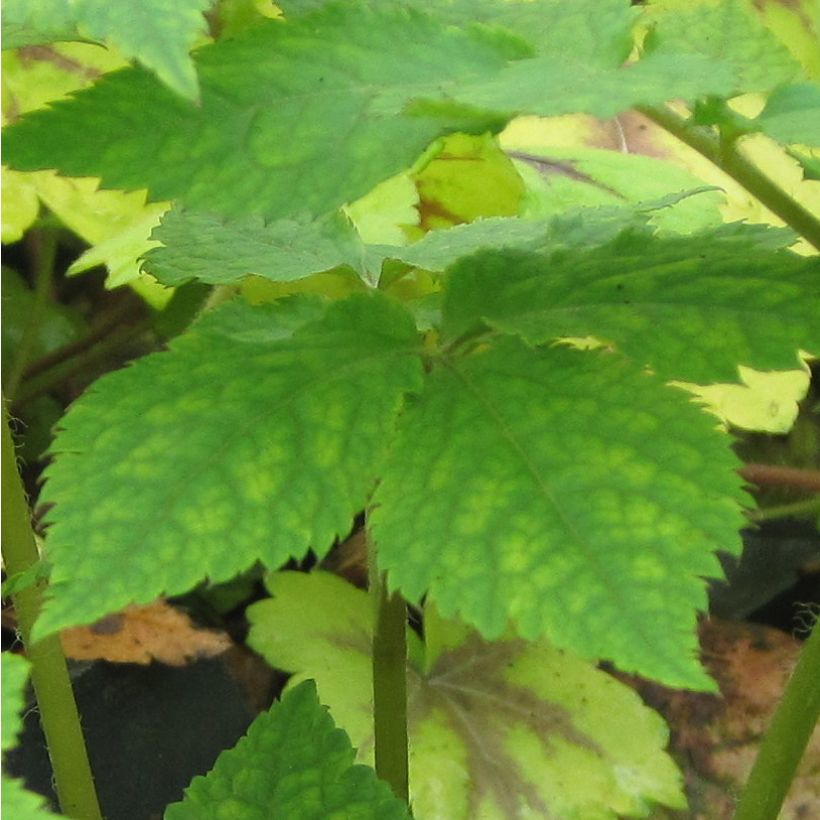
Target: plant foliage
293,762
474,354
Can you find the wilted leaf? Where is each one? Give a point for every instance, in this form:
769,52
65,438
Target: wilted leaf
468,178
142,634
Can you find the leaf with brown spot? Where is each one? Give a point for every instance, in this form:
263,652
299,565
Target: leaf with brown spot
141,634
505,729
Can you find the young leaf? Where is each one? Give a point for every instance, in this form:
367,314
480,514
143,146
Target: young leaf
565,493
809,162
792,114
212,249
237,445
505,730
274,118
692,308
159,33
292,763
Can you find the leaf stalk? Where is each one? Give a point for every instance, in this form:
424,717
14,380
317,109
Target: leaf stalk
389,682
726,156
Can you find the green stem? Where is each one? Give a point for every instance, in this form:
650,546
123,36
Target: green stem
786,740
796,509
49,673
726,156
389,682
43,245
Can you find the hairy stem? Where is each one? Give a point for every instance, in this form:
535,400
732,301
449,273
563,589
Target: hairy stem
49,673
43,247
726,156
389,682
786,740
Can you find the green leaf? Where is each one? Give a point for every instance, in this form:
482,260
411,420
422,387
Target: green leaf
217,250
13,680
273,119
792,114
565,493
159,33
592,30
35,573
212,249
727,31
15,801
692,308
292,763
553,84
385,214
809,162
507,729
578,227
115,224
559,179
237,445
20,205
31,22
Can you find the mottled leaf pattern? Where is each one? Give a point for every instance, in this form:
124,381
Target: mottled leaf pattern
566,494
237,445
